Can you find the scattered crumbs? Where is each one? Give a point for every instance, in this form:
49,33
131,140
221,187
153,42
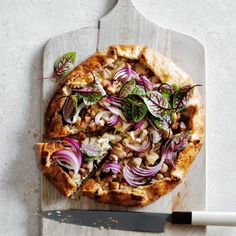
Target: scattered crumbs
63,220
114,221
101,227
34,190
58,212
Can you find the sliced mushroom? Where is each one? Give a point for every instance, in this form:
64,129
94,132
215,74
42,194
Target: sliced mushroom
151,158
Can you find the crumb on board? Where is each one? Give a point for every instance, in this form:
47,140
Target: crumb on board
115,221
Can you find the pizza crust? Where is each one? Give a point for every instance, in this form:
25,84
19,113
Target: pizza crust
54,173
167,72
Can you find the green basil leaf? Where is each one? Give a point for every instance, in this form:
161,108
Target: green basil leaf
127,88
181,97
63,64
162,122
92,94
156,103
75,98
127,107
139,110
139,90
180,141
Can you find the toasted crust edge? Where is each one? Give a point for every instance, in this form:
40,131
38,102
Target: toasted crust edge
54,173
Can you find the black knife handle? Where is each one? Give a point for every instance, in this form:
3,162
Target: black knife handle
182,217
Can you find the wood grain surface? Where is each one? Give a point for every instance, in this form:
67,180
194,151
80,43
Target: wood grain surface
124,24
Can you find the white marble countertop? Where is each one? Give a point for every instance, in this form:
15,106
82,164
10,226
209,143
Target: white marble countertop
25,26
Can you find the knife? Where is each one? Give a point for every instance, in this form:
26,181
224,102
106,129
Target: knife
138,221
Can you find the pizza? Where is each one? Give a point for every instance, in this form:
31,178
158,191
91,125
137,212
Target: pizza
129,122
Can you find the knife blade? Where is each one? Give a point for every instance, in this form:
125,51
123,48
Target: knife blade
117,220
138,221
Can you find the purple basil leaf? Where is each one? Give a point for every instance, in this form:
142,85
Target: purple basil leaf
63,64
156,103
180,141
127,88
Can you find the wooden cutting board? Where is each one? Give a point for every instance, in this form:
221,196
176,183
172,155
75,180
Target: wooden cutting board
124,24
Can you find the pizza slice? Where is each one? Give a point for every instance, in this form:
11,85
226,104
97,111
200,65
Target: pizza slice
68,163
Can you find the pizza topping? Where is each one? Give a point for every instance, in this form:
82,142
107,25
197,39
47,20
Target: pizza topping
102,117
155,136
113,121
156,103
67,159
136,161
125,74
106,116
74,146
140,148
151,157
112,99
91,151
139,124
112,166
118,112
131,178
173,145
91,94
147,84
63,64
127,88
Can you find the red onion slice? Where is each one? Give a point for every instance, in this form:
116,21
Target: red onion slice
68,109
131,178
73,143
67,159
143,80
76,115
139,124
75,147
113,121
100,115
148,171
114,167
117,111
127,73
141,148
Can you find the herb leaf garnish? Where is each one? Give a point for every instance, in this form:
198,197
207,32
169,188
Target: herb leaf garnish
127,88
63,64
139,110
91,94
156,103
182,96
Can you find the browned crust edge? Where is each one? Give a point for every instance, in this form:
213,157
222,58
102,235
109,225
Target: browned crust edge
54,173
